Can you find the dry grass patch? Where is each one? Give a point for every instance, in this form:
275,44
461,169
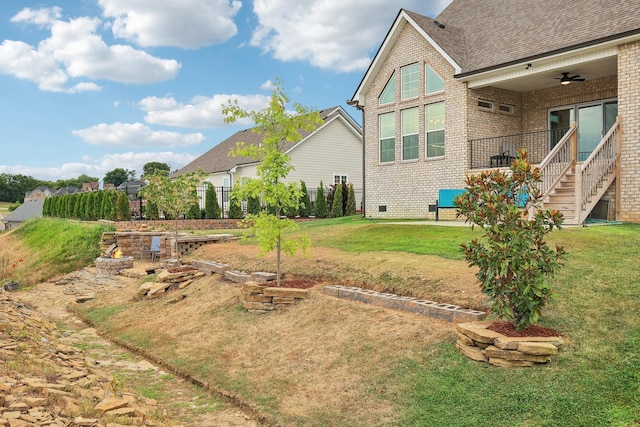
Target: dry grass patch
421,276
320,359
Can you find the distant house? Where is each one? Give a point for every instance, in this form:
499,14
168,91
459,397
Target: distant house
108,186
40,193
67,190
132,188
331,154
28,210
89,187
461,93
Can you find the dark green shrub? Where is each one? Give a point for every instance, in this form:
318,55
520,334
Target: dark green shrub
351,202
211,205
513,258
336,205
305,201
253,205
123,209
321,202
235,210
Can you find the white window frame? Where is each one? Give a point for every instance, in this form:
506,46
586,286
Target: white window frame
490,105
387,88
435,124
384,137
342,178
428,68
410,129
408,80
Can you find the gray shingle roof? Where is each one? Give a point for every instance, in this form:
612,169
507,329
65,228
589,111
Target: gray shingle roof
217,159
29,209
482,34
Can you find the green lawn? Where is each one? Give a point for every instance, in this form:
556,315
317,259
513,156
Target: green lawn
594,381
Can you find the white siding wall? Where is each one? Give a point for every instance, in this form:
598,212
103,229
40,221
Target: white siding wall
335,149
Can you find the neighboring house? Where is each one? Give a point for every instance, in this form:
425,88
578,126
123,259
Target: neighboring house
331,154
29,209
459,94
40,193
90,187
132,188
108,186
67,190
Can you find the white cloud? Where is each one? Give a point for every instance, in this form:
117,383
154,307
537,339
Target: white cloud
98,167
135,135
330,34
75,51
187,24
268,85
41,17
202,112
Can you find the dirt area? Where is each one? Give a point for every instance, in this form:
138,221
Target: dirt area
178,399
320,378
421,276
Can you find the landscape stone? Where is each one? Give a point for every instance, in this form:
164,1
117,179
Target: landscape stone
493,351
478,332
286,292
538,348
472,352
512,343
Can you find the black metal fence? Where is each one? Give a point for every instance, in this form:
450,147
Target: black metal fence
223,195
500,151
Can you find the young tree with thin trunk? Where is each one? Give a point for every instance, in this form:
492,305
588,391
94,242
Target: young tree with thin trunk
174,197
277,127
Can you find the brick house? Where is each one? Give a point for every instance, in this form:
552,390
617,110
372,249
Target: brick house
460,93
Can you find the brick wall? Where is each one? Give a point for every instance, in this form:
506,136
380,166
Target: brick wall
629,111
407,188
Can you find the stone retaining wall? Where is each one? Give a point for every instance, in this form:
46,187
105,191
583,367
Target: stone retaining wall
484,345
258,298
448,312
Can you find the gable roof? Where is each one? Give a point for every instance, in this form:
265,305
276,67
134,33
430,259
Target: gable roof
496,32
29,209
217,159
479,35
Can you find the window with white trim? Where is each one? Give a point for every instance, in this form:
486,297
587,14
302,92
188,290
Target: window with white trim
410,131
410,81
340,179
486,105
435,117
387,126
433,81
388,95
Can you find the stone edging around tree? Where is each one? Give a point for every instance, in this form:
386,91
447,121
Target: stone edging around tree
484,345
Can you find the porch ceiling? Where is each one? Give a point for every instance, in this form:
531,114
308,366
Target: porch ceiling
541,73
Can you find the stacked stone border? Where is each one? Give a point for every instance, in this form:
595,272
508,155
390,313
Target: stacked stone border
484,345
448,312
260,299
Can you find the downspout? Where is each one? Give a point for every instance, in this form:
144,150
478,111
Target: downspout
361,108
230,172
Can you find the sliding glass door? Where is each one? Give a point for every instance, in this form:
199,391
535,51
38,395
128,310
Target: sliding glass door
594,120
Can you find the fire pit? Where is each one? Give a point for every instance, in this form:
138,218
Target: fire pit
106,266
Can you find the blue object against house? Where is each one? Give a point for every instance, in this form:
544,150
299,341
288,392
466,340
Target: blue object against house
446,199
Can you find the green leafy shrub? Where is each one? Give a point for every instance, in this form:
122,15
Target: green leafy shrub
321,202
212,207
351,202
513,257
336,204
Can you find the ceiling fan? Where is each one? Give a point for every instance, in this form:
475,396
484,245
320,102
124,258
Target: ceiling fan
566,78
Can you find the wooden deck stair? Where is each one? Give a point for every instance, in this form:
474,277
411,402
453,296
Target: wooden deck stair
563,197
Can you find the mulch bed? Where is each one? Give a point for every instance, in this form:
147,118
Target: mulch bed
295,283
506,328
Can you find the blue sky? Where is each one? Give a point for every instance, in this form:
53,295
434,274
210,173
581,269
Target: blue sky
87,86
